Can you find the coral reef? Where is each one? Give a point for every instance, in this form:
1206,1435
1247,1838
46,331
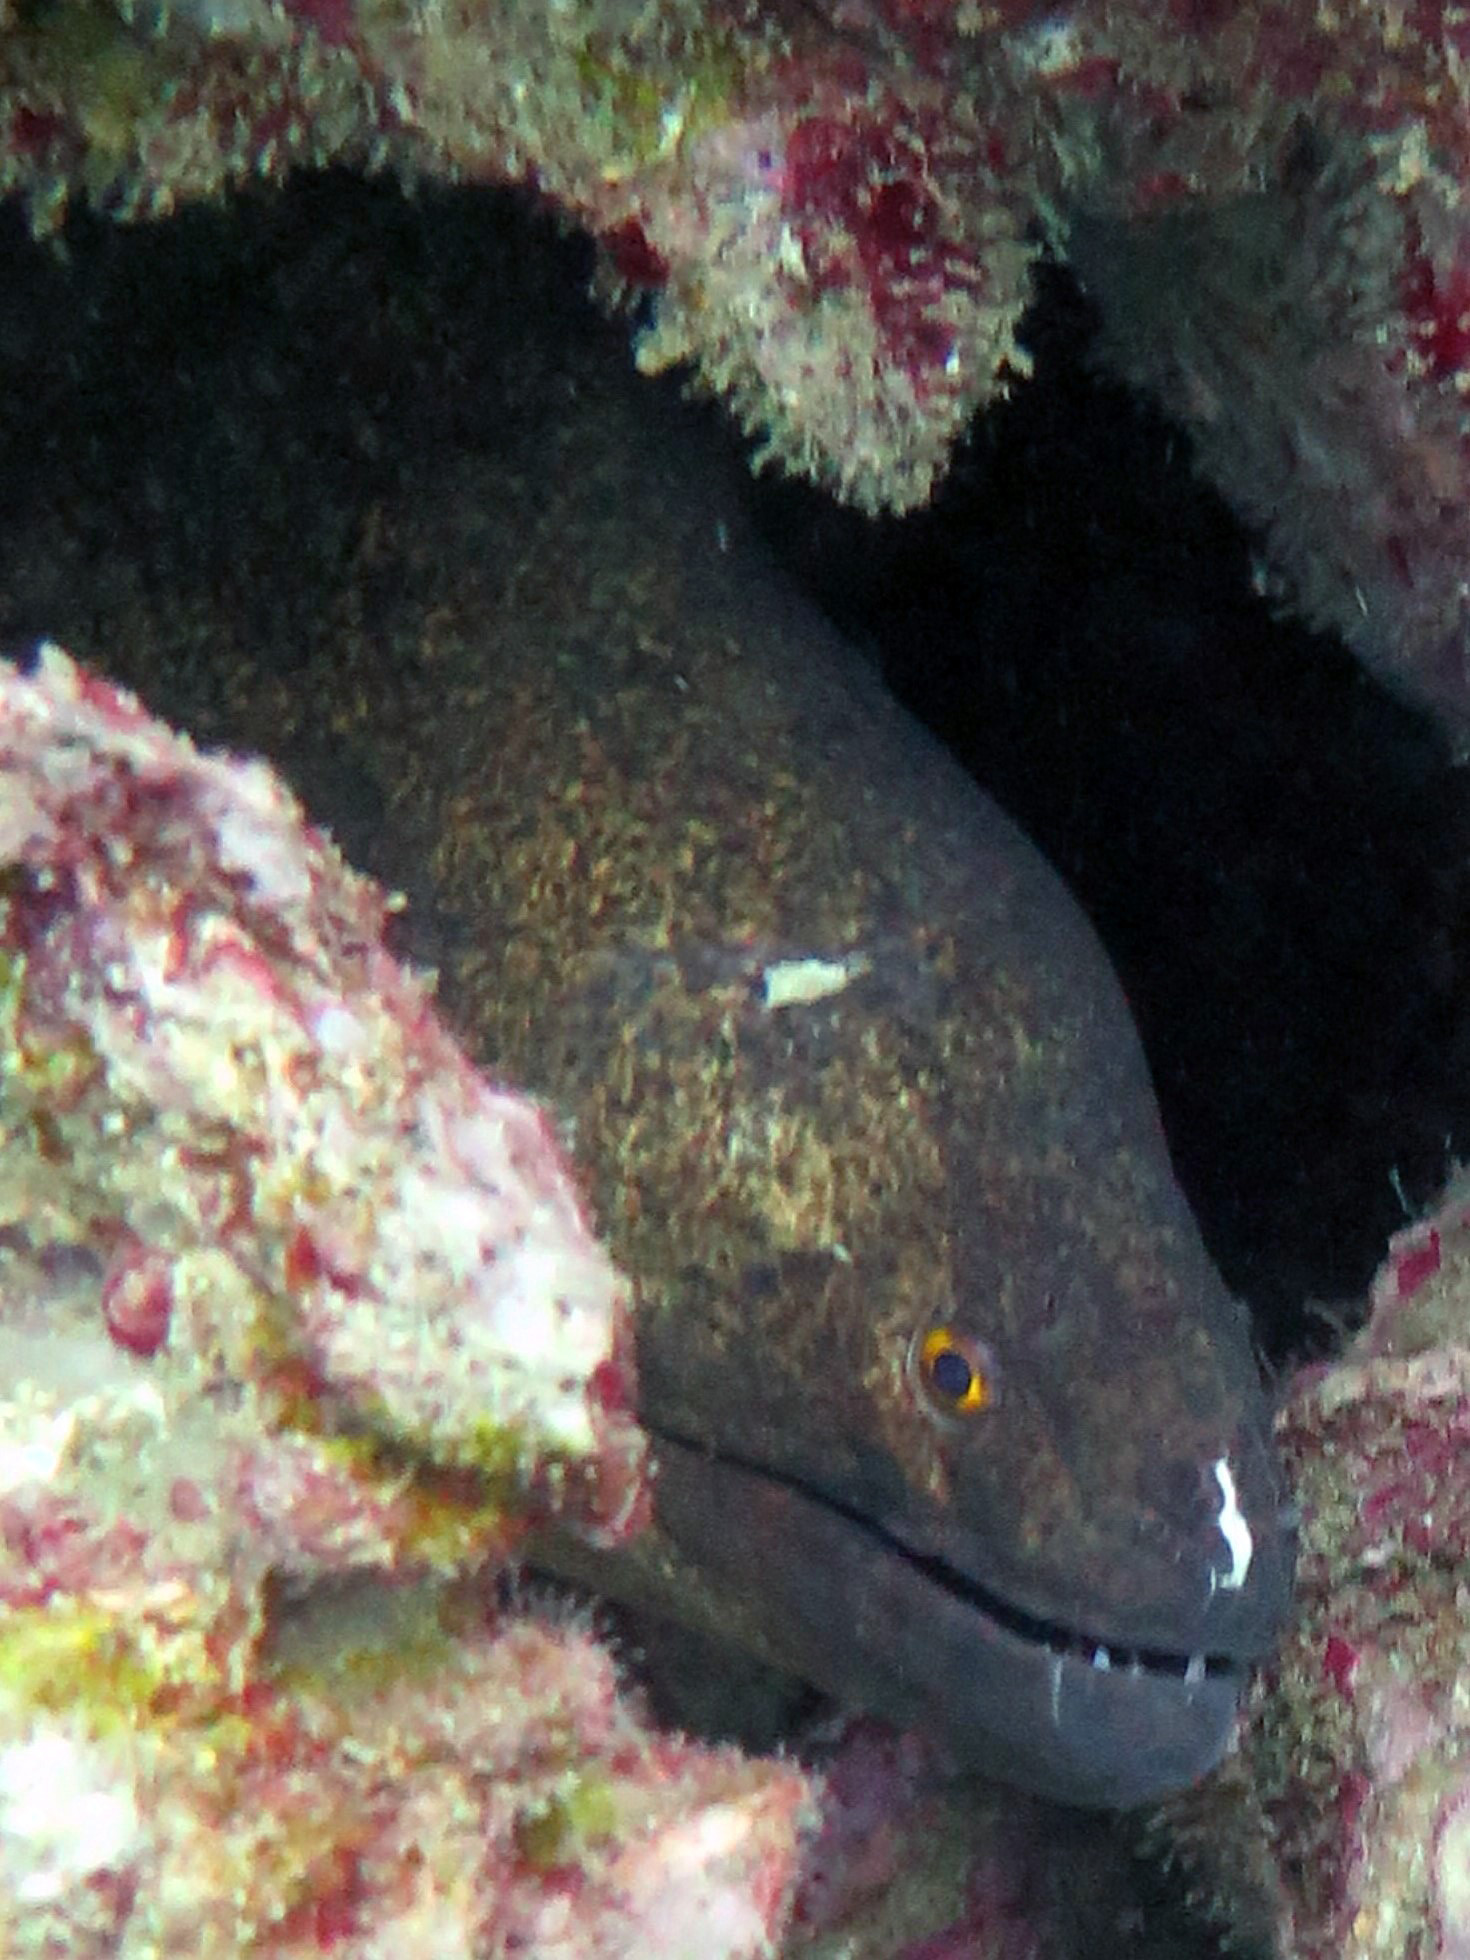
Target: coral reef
835,209
271,1259
230,1111
290,1295
426,1789
216,1698
1341,1829
906,1867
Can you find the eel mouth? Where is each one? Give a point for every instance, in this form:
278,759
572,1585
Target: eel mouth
1043,1703
1055,1636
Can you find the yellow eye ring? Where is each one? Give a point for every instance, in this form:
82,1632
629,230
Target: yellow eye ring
952,1372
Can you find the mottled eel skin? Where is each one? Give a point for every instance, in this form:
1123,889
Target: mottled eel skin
954,1416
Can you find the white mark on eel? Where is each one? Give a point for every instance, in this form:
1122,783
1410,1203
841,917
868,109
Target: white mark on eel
1234,1530
798,983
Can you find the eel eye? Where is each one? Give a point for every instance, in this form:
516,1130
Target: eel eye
953,1372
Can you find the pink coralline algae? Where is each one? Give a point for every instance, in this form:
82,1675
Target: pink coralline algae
483,1792
909,1865
301,1323
240,1146
834,207
1342,1827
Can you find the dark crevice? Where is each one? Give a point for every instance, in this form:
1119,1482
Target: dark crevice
1273,849
1271,846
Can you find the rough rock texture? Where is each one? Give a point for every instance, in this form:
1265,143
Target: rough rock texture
289,1292
205,508
1343,1826
836,209
239,1129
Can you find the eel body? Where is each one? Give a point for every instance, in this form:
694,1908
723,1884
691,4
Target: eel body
952,1413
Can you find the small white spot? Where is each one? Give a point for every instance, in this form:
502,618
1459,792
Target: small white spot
35,1442
670,127
64,1814
1051,47
790,255
1194,1670
1234,1530
1102,1660
798,983
1056,1691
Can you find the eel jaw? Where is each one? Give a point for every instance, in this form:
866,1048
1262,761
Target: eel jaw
843,1602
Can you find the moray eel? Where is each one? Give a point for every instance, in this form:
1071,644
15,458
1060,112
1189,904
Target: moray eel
953,1415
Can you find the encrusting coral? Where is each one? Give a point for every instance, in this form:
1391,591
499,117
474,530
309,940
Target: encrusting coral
248,1701
289,1292
210,1382
834,211
1341,1829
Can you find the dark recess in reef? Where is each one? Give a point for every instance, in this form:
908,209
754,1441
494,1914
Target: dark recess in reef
1273,850
201,418
1271,846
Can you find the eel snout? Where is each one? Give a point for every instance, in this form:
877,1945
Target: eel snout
885,1621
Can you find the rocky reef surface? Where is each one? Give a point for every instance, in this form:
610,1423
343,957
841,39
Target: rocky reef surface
231,1436
832,211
